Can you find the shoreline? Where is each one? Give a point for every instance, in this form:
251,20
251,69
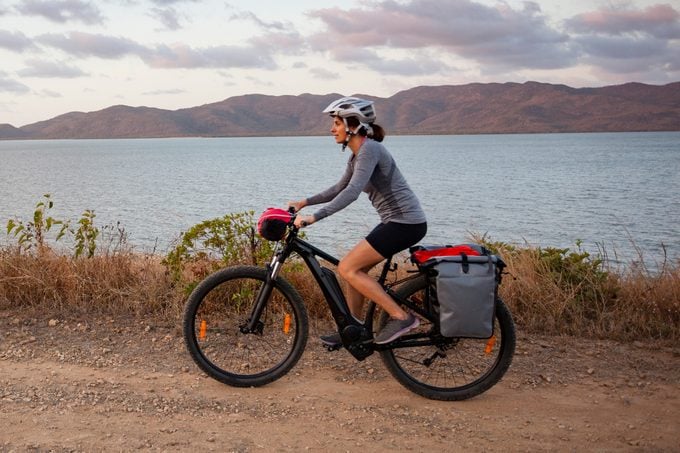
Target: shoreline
395,134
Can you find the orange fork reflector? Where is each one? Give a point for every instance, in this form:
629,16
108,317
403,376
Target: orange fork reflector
286,324
489,345
202,330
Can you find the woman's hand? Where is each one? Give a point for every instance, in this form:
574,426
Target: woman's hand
302,221
297,205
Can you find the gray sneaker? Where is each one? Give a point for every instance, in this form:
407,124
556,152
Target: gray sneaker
331,340
396,328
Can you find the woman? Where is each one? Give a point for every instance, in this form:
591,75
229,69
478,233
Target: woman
371,169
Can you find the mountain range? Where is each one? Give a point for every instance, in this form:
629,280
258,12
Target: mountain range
476,108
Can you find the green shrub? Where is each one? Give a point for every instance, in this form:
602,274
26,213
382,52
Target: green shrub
32,234
86,235
215,243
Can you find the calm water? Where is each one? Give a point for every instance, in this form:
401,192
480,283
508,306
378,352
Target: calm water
547,190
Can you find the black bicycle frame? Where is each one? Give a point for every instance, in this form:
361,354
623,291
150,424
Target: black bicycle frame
356,337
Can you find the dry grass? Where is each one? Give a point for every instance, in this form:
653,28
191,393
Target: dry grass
625,305
121,282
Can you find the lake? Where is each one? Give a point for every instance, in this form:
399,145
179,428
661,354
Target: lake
616,190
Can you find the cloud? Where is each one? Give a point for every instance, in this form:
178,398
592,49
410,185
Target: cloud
8,85
252,17
50,69
183,56
279,42
420,64
50,94
14,41
660,21
83,44
497,36
278,37
621,47
628,40
258,81
169,17
172,2
161,56
163,92
417,66
323,73
62,10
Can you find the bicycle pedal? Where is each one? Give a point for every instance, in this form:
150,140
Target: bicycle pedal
333,347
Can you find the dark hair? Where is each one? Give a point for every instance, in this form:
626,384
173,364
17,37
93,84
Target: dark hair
378,132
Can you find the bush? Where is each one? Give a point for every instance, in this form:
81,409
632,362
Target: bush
215,243
549,290
32,235
564,291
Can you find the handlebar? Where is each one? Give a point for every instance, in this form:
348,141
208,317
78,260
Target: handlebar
293,217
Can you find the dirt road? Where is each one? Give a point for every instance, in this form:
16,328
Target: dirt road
116,384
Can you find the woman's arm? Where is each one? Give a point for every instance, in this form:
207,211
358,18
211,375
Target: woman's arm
364,166
322,197
333,191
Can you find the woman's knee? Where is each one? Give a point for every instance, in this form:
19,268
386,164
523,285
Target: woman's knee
359,260
348,270
345,270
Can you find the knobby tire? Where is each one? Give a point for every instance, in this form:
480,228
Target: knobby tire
462,367
221,304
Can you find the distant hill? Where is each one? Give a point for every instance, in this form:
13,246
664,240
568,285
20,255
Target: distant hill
464,109
11,132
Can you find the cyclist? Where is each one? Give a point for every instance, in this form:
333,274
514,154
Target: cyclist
371,169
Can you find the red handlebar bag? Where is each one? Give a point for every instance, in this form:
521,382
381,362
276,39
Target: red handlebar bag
273,222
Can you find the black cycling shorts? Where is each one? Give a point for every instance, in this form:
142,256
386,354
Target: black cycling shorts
391,238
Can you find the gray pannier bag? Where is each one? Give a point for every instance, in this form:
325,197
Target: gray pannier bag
467,277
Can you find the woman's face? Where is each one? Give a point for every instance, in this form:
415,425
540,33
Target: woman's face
338,130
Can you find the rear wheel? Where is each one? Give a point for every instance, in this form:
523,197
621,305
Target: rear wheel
453,368
217,310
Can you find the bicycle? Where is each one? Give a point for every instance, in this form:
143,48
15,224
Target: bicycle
247,326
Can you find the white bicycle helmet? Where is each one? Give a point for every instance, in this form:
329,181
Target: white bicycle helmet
348,107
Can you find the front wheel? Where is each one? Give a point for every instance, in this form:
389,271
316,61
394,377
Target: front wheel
452,368
214,317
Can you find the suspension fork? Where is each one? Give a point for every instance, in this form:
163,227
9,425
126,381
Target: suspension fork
253,325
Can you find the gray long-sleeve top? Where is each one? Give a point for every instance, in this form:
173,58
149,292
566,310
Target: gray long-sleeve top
374,171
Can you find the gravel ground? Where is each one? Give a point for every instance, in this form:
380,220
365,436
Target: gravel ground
103,383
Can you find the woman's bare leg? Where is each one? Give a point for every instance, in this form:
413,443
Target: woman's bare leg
353,268
355,300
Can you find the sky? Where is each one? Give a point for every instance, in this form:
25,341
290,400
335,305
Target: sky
62,56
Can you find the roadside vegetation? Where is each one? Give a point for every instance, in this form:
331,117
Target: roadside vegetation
75,267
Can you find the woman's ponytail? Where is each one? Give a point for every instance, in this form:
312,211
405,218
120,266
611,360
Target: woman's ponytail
378,133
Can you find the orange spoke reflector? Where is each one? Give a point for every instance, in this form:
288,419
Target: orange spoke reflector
286,324
202,330
489,345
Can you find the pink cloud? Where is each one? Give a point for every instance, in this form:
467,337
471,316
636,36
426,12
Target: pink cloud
657,20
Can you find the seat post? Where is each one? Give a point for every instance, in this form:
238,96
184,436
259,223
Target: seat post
385,270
